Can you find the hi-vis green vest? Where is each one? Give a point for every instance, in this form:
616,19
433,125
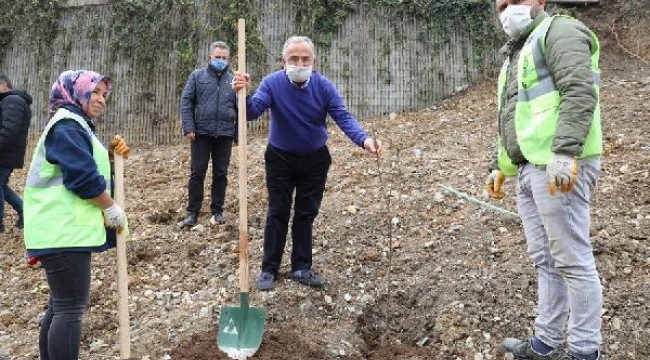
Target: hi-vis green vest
54,216
538,105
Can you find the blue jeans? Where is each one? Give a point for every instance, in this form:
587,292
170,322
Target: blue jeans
557,235
6,194
68,275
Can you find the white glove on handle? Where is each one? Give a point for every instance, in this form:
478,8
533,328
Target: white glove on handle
561,173
114,217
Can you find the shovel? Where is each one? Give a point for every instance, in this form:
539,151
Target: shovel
241,328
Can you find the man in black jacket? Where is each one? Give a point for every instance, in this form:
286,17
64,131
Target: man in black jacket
15,116
208,115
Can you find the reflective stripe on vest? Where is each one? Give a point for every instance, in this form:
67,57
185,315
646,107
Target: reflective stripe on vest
54,216
538,103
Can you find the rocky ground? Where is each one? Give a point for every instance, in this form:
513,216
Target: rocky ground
460,279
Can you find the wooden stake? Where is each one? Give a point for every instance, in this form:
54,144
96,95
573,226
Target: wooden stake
122,274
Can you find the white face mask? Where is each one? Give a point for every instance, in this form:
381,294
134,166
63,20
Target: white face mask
515,18
298,74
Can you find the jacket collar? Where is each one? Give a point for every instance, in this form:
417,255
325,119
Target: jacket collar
215,73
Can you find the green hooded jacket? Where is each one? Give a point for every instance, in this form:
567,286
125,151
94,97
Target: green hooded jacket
568,55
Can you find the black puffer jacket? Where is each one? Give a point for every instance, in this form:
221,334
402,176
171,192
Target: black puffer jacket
208,103
15,116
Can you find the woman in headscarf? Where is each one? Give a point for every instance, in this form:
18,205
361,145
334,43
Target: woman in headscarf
69,212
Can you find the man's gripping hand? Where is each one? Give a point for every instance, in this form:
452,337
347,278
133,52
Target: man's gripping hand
373,146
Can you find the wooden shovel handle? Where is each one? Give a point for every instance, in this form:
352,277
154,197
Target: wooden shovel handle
243,167
122,274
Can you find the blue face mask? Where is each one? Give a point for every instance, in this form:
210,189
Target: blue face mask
218,64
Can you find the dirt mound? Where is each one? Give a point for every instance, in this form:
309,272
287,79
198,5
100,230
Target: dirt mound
293,346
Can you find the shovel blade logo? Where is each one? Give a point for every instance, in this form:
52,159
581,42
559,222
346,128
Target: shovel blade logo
231,329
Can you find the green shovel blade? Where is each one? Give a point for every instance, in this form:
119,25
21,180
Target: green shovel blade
241,329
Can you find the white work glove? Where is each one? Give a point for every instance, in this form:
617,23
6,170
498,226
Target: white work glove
561,173
114,217
494,184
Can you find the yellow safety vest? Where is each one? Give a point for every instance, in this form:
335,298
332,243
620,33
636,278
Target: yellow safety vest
54,216
538,105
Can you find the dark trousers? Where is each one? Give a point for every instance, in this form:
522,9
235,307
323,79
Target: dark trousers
6,194
68,275
202,148
286,172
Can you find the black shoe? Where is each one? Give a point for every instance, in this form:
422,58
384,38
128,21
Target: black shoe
19,223
190,220
523,350
307,277
266,281
217,219
568,356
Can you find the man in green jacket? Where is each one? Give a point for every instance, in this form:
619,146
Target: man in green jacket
550,137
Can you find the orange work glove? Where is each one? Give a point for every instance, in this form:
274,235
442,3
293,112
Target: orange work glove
494,184
118,145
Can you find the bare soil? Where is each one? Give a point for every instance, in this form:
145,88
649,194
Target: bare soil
460,278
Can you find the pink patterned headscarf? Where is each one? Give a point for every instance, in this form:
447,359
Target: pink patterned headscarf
73,88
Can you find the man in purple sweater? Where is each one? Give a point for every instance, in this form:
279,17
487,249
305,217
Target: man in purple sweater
297,157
